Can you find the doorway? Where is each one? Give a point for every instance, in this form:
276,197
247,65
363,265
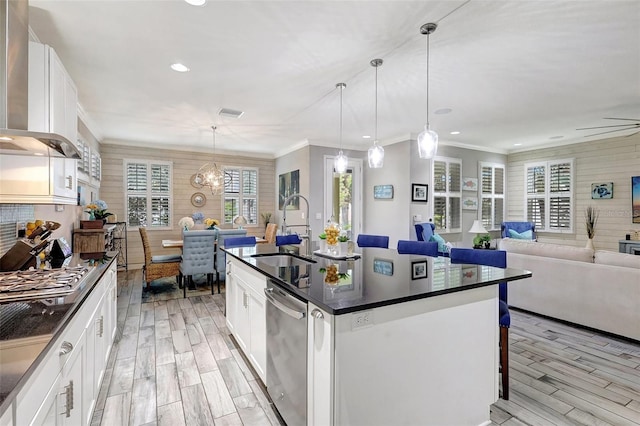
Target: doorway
343,196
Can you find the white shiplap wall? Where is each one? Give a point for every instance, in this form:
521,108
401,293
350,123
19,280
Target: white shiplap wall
607,160
185,164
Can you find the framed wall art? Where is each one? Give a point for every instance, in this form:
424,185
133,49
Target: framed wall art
198,199
419,192
469,184
601,190
383,192
418,269
383,267
470,203
289,184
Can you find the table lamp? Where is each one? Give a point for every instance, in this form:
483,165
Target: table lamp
240,221
477,229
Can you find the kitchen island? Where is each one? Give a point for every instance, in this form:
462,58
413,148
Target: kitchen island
390,338
58,345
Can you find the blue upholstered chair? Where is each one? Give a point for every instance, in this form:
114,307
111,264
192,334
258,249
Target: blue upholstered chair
418,247
519,227
498,259
365,240
283,240
424,231
221,258
198,252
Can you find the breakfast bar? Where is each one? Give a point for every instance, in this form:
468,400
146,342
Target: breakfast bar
386,338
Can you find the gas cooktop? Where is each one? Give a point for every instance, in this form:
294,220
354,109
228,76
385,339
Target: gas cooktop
40,283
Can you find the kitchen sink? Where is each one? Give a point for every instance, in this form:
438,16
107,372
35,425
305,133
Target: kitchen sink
281,260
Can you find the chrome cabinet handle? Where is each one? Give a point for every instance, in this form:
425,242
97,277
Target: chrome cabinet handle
317,314
65,348
68,399
69,182
228,267
274,299
100,326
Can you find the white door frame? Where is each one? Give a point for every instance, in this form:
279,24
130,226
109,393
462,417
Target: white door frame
356,165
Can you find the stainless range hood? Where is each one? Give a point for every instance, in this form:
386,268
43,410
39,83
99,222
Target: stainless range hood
15,138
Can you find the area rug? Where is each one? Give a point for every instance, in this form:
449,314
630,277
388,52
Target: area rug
167,288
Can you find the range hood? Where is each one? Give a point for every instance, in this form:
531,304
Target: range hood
15,138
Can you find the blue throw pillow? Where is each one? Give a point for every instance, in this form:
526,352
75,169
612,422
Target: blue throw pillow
525,235
442,248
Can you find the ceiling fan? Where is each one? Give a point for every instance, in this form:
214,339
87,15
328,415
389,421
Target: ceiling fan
619,127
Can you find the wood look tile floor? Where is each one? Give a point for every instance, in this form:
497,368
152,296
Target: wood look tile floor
174,363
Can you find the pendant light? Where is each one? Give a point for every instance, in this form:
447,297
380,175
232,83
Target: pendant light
376,152
341,161
427,139
211,175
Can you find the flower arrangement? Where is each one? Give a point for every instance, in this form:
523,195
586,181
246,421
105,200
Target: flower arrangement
197,217
591,218
186,223
97,210
211,223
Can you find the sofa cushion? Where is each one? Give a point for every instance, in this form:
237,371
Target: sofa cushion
524,235
436,238
617,259
556,251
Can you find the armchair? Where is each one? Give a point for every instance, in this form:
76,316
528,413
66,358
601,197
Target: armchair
518,227
498,259
424,231
198,252
158,266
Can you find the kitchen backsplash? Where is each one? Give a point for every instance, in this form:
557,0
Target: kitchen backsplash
9,215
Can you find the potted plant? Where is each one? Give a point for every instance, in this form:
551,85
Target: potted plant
482,241
343,243
590,218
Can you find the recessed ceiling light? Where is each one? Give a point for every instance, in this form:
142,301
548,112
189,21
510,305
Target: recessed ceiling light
39,154
455,132
5,138
179,67
442,111
556,137
196,2
366,137
517,144
228,112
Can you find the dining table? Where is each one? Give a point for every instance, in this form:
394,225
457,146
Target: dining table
180,243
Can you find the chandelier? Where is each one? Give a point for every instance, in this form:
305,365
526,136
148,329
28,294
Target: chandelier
211,175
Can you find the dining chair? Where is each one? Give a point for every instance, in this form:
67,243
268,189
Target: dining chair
198,253
418,247
239,242
283,240
158,266
221,258
366,240
498,259
270,233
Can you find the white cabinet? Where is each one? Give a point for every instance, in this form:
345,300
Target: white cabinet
320,359
64,387
246,318
37,180
53,97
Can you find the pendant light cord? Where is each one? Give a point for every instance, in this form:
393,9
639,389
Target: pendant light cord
375,141
428,125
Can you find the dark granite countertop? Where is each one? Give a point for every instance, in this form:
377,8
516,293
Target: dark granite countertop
379,277
42,320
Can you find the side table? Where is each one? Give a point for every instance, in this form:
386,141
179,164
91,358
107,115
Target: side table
629,246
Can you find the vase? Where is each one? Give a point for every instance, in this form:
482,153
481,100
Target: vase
92,216
590,244
343,248
323,246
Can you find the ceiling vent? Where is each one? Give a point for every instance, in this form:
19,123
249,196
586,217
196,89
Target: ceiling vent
232,113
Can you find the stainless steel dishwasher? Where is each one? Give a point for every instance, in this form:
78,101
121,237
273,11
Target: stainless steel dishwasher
287,354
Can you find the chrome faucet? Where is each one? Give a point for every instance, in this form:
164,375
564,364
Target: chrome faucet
306,225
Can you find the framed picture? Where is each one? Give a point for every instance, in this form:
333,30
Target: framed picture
601,190
470,184
635,199
289,184
470,203
419,192
383,192
383,267
418,269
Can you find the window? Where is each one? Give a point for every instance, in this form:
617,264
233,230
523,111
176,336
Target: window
148,193
241,195
492,180
549,195
447,206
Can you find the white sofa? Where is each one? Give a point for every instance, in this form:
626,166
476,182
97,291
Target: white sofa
598,289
